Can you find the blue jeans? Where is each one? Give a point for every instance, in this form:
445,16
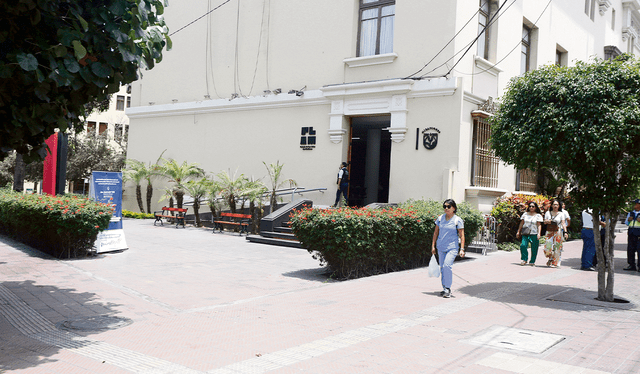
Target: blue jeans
446,262
588,248
342,189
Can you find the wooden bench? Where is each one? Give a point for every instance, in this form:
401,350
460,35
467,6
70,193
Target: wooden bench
179,215
245,221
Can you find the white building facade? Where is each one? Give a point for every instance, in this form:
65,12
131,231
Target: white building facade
400,91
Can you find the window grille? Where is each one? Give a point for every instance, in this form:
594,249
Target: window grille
484,170
120,102
527,180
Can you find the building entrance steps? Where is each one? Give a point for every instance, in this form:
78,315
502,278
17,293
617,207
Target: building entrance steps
202,303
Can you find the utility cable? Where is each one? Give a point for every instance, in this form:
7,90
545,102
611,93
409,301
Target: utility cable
209,56
449,42
198,19
510,52
255,70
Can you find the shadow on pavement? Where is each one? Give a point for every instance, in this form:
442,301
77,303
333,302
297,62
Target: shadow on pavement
547,296
315,274
28,309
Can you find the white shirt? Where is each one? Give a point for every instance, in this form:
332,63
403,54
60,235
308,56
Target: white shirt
531,221
587,220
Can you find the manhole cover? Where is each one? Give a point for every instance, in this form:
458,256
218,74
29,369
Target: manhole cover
515,339
97,323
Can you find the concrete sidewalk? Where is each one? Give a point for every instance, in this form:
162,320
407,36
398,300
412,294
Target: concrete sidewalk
190,301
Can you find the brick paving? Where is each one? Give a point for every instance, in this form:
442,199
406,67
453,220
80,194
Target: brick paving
200,302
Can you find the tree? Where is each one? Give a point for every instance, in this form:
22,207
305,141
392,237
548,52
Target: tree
231,187
7,169
178,174
56,56
92,152
136,171
275,173
254,191
582,122
197,189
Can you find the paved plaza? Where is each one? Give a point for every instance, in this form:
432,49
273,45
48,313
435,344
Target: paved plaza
191,301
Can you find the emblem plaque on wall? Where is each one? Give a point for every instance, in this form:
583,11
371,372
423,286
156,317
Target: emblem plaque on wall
430,137
308,138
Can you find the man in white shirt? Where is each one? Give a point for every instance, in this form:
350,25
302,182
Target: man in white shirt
588,243
633,236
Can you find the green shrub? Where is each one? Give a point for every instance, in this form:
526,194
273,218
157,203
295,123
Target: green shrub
59,225
508,246
361,242
137,215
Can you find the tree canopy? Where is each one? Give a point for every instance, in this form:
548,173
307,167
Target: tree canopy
582,122
56,56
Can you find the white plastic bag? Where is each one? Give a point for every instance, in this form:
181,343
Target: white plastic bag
434,268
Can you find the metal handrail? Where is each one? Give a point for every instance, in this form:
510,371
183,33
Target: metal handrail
280,192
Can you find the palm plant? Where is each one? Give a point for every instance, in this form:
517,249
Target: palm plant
136,171
275,173
197,189
177,175
153,171
214,194
231,187
254,190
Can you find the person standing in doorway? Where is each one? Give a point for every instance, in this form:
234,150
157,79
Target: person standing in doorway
448,238
343,184
633,236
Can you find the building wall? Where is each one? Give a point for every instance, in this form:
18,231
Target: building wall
212,99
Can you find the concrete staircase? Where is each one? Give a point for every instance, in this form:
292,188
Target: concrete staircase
274,228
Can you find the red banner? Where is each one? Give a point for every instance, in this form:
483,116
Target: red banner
50,165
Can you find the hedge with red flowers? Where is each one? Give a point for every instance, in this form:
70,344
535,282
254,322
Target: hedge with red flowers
362,242
59,225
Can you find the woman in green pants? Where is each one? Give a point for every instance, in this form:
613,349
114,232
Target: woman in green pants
529,230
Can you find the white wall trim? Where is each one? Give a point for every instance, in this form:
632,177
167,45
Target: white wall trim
486,66
312,97
356,62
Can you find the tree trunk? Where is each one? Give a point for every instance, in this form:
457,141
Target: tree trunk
605,255
212,208
179,198
252,210
149,194
18,173
273,201
196,212
232,203
139,197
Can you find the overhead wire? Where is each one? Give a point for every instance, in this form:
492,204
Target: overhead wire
449,42
236,78
198,19
209,55
511,51
255,70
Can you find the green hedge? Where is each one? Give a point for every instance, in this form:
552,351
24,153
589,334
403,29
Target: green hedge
136,215
59,225
362,242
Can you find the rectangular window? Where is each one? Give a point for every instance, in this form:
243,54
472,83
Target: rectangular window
526,180
613,19
525,50
120,102
484,169
592,15
117,132
562,58
483,20
103,127
91,127
128,101
375,36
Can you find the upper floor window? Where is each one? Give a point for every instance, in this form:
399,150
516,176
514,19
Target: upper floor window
91,127
103,127
590,8
120,102
483,21
128,101
525,61
375,36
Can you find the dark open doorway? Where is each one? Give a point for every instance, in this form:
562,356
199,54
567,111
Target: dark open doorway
370,158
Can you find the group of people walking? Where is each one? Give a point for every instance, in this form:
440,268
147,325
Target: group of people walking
553,227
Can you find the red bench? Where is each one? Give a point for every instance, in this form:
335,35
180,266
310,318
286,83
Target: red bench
234,219
179,214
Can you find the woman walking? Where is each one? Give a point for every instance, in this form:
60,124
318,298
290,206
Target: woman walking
449,227
554,219
529,230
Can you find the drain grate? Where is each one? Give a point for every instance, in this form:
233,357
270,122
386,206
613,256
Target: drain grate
95,323
515,339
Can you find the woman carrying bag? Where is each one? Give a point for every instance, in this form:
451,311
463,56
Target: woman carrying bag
449,227
529,230
556,233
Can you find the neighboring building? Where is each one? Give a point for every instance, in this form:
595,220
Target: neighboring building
401,90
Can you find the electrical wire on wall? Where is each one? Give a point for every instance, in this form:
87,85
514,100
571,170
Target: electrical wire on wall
255,70
236,79
209,54
198,19
511,51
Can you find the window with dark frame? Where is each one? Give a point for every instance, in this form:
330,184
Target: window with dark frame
120,102
526,180
525,50
128,101
375,34
484,166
